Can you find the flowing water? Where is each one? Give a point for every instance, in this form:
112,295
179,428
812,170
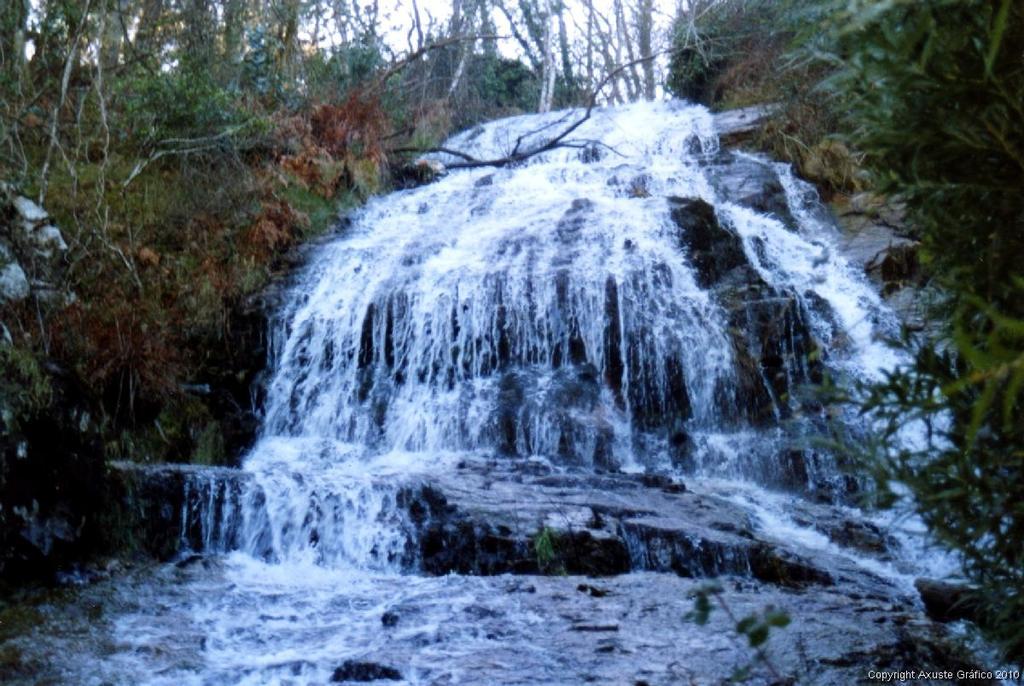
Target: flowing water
560,313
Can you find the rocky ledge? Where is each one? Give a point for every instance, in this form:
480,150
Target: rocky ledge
599,552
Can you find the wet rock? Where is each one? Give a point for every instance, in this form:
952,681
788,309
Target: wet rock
775,352
736,125
833,635
665,483
563,407
53,490
572,223
591,153
592,591
162,509
599,525
639,186
657,396
751,182
948,602
351,670
614,368
782,568
714,249
417,173
875,236
859,535
897,266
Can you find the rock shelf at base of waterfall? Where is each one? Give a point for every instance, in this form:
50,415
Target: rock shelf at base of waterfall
839,575
485,517
627,629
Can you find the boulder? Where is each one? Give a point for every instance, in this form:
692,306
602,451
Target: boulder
751,182
714,249
353,670
735,126
14,286
948,602
53,490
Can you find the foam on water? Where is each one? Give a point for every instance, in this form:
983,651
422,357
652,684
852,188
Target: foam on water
550,310
546,312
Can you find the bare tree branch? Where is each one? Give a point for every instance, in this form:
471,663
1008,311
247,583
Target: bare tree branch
560,140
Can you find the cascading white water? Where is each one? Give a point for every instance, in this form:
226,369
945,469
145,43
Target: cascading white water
467,363
554,309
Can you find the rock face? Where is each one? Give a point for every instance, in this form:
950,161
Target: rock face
32,252
489,517
875,237
715,249
51,466
609,561
947,602
52,484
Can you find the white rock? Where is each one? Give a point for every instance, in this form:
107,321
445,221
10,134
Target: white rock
49,238
13,283
29,210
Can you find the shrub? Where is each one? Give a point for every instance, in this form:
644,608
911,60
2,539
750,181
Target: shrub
935,94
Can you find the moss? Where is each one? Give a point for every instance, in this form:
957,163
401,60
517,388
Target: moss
321,211
19,615
209,448
25,388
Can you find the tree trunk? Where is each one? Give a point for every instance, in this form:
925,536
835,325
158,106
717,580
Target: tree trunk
632,79
547,90
590,43
199,24
563,44
289,38
13,23
113,33
234,30
148,39
645,40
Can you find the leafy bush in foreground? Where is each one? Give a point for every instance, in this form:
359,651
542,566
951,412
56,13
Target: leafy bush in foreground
935,93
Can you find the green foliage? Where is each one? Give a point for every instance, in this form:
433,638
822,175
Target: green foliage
756,628
934,96
332,74
545,547
25,388
258,72
951,73
508,85
727,47
701,612
176,104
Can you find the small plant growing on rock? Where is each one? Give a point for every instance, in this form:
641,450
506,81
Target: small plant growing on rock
545,545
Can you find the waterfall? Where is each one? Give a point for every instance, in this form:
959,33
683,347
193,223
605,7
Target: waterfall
635,301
